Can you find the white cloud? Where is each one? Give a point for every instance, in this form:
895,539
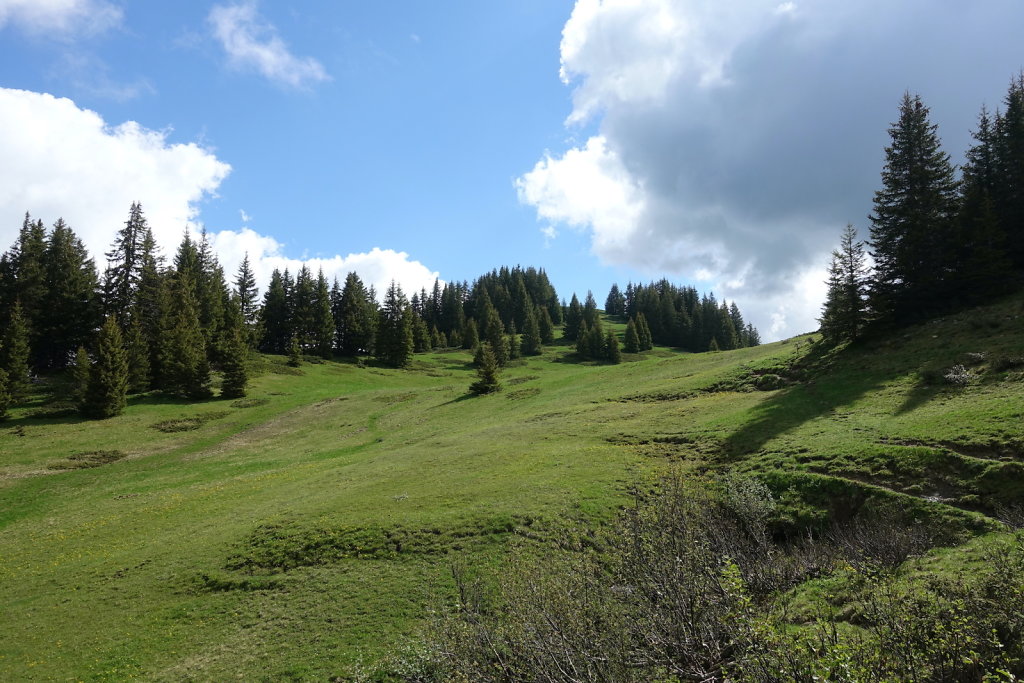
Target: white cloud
63,161
252,43
735,139
245,217
378,267
60,18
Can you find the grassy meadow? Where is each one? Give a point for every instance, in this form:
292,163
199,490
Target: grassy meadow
306,531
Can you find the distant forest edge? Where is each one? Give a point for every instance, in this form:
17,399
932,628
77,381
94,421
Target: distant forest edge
148,325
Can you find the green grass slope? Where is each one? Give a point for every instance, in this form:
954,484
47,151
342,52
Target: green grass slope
309,527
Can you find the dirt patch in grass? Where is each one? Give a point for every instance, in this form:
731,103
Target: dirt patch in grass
520,394
188,424
250,402
86,460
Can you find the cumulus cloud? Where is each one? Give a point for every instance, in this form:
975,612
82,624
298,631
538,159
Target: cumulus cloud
252,43
63,161
735,139
60,18
378,267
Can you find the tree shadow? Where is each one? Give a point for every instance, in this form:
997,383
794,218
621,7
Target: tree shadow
826,380
465,397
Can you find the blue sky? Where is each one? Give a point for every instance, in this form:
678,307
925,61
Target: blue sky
723,145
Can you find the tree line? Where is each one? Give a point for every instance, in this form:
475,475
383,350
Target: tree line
938,241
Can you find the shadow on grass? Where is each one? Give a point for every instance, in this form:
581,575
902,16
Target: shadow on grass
464,397
828,379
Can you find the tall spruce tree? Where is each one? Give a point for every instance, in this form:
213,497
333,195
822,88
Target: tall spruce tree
323,319
845,312
5,395
470,336
276,316
248,298
394,330
184,364
631,342
546,325
487,367
356,318
137,357
495,335
15,353
108,377
912,229
80,374
612,353
531,344
70,309
235,352
573,319
124,266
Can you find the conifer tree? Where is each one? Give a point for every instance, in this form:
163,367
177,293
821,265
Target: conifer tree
611,348
642,329
323,319
304,309
546,325
595,340
713,345
70,307
108,376
844,314
235,353
137,357
615,304
514,349
583,341
421,339
486,371
437,338
470,337
14,353
573,319
80,374
590,309
1008,194
912,222
184,364
632,340
124,266
531,345
26,277
5,395
275,316
356,318
248,295
496,335
152,299
294,351
394,330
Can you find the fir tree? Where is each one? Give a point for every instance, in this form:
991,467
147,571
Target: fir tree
70,308
184,364
235,353
80,374
470,337
248,298
294,351
486,371
14,353
421,339
590,309
5,395
495,335
547,326
514,349
583,341
611,348
323,319
844,313
356,318
108,377
124,266
275,316
437,338
573,319
531,345
912,222
394,329
713,345
642,329
137,357
632,340
615,304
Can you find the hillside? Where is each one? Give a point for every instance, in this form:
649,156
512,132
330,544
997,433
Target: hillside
311,526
